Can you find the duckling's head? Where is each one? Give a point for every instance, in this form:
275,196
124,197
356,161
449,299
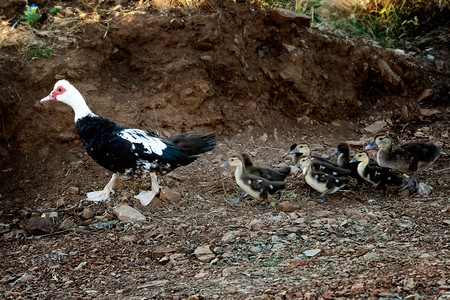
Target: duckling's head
382,141
343,148
303,148
234,161
362,157
304,162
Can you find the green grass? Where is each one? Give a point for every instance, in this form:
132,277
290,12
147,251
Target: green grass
31,15
35,52
55,10
386,22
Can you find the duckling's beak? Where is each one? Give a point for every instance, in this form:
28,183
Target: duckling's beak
335,152
354,159
287,153
225,164
292,151
298,165
371,145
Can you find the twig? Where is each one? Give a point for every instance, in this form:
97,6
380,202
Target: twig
18,96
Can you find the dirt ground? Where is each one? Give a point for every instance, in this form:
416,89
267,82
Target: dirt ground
262,82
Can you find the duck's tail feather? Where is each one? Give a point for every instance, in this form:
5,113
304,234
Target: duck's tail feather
195,144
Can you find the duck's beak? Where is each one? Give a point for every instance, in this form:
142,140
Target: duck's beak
295,150
371,145
225,164
335,152
354,159
48,98
298,165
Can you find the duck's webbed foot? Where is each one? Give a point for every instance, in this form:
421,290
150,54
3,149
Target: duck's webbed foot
103,195
412,184
146,197
237,200
321,197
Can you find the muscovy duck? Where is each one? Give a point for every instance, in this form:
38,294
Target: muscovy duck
128,151
408,158
378,176
279,174
256,186
320,181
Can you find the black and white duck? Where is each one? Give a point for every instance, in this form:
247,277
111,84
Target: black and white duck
411,158
255,186
279,174
320,181
128,151
378,176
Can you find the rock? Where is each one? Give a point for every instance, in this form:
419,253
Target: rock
169,195
60,202
67,224
375,127
204,253
128,238
175,23
162,251
439,65
38,226
425,94
263,138
286,206
128,214
428,112
387,73
357,288
87,213
284,16
230,236
312,252
289,48
230,271
73,190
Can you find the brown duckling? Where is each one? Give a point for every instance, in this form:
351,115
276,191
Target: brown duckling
378,176
255,186
320,181
408,158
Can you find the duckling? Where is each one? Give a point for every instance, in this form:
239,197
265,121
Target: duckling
343,161
296,156
376,175
256,186
304,149
408,158
267,173
320,181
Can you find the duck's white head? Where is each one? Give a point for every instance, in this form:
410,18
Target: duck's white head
68,94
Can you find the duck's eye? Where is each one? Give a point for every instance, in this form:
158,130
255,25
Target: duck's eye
59,90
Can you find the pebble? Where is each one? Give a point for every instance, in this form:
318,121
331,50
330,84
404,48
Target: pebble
204,253
87,213
38,226
67,224
126,213
312,252
169,195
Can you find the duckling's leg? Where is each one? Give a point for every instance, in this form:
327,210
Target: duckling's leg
234,201
413,183
145,197
103,195
321,197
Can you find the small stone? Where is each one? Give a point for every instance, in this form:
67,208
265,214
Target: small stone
67,224
428,112
175,23
128,214
387,73
38,226
375,127
230,271
286,206
169,195
283,16
128,238
263,138
60,202
312,252
162,251
289,48
73,190
204,253
357,288
87,213
230,236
